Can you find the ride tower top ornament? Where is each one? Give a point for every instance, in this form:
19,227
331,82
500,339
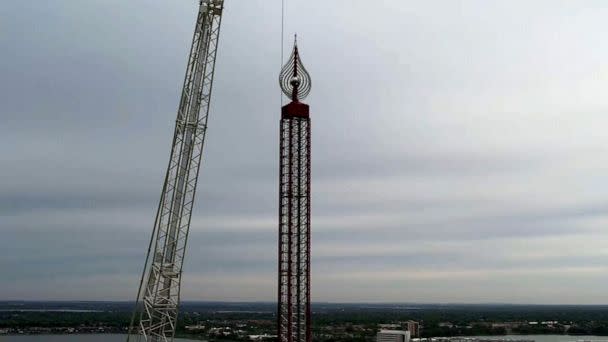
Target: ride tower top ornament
294,80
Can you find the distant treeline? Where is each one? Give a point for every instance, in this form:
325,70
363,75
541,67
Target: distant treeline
462,319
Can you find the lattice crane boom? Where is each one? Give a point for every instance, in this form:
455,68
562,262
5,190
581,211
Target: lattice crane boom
155,316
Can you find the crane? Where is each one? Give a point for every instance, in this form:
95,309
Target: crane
155,315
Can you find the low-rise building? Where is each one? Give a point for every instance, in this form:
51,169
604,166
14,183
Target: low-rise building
414,328
393,336
262,337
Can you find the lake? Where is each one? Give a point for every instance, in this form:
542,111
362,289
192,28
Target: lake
553,338
71,338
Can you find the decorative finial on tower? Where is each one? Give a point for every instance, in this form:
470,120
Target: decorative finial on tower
294,79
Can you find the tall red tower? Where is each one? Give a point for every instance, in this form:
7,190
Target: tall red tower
294,313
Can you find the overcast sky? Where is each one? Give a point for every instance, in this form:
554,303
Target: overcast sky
459,148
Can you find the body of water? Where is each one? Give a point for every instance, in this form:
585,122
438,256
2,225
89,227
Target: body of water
71,338
552,338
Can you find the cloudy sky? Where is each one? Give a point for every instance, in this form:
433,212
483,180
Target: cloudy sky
459,148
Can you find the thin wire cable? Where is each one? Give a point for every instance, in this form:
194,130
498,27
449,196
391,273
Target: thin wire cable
282,40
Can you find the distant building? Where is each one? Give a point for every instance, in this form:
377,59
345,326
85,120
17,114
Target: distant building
262,337
414,328
393,336
195,327
390,326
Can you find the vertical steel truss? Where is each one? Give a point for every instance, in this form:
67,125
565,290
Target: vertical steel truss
159,293
294,321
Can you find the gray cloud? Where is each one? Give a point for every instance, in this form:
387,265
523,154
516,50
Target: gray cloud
456,149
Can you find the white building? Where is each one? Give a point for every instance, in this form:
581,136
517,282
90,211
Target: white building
262,337
393,336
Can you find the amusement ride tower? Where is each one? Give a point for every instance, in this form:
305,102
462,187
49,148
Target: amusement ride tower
294,313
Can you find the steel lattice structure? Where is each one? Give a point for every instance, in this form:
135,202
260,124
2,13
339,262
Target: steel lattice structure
294,312
159,292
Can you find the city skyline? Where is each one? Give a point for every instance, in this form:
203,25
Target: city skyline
457,153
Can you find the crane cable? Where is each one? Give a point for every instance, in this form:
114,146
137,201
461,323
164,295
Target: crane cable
282,41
